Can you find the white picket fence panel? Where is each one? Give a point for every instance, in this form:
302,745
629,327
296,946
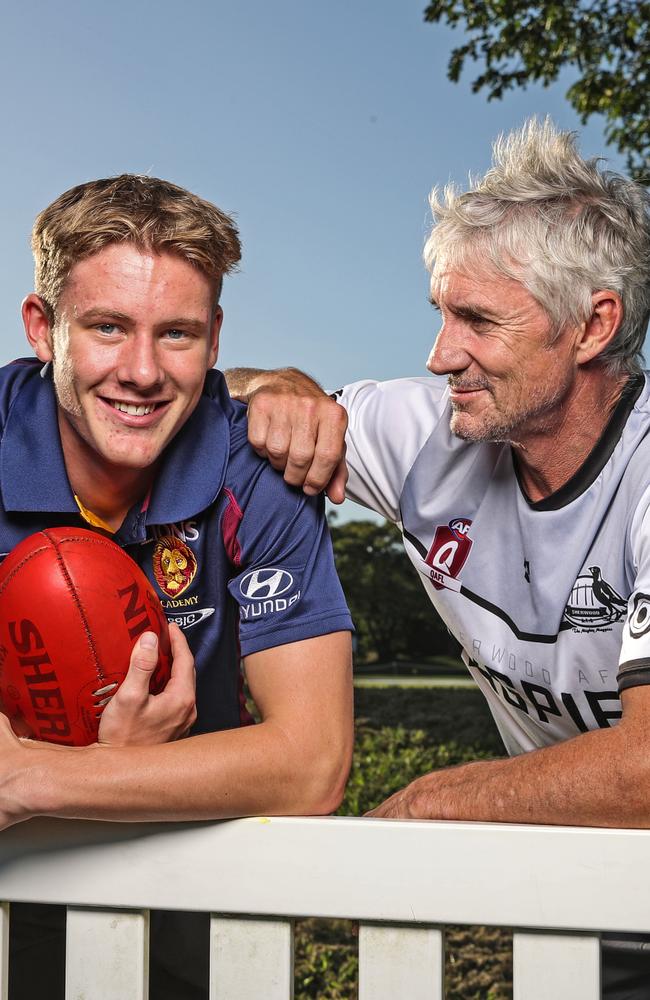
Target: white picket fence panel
558,887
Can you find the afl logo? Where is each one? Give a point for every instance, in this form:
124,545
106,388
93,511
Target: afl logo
264,583
593,603
640,618
460,527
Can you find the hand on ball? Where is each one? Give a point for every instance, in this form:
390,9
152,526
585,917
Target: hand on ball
134,716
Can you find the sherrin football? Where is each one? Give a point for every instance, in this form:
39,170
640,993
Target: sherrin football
72,604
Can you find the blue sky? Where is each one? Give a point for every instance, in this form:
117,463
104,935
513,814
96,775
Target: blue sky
321,126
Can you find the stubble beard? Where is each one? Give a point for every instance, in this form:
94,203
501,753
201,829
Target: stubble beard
536,416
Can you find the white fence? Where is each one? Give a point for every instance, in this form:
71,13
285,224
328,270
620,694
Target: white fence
558,887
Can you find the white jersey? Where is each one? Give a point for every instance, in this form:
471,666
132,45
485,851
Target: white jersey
550,601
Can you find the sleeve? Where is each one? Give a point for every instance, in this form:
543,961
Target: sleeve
634,663
286,584
389,422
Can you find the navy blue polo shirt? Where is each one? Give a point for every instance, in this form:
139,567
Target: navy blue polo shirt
241,561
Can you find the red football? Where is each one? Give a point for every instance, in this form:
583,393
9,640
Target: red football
72,604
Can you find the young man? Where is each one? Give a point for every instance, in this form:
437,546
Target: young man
520,483
123,426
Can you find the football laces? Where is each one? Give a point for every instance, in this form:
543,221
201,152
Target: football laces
109,691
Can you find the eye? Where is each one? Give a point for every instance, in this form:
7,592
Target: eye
176,335
108,329
477,322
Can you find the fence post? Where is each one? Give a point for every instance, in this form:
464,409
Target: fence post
107,954
551,964
251,959
400,962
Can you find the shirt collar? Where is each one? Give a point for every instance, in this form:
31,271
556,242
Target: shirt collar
32,470
195,461
33,476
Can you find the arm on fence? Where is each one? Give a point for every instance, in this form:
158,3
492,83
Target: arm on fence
295,761
600,778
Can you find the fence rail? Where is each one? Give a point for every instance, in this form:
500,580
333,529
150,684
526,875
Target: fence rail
557,886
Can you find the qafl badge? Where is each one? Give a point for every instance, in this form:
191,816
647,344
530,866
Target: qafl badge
174,565
449,551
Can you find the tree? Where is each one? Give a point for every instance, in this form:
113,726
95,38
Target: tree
391,611
607,41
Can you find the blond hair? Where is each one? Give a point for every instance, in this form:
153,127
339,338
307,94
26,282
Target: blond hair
154,215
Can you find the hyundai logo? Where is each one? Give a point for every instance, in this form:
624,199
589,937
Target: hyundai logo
268,582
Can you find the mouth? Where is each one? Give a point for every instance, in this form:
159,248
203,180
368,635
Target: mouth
134,413
464,395
134,409
465,391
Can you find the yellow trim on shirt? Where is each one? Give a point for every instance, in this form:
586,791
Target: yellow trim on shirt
91,518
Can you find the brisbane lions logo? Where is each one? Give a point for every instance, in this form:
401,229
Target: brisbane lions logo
174,565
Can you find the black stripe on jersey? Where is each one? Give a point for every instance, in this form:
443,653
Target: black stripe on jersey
505,617
633,673
493,608
422,549
597,458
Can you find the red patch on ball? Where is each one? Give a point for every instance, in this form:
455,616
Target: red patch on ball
72,604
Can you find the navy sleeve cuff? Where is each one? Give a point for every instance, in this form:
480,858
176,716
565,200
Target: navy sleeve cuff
296,632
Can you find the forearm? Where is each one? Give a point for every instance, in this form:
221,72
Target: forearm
242,382
256,769
600,778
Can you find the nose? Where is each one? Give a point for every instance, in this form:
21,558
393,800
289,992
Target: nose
139,364
448,353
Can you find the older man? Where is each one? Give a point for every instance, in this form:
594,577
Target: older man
520,481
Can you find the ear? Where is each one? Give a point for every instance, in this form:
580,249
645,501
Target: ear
601,327
215,330
37,326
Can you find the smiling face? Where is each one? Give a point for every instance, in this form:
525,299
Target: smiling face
507,376
135,335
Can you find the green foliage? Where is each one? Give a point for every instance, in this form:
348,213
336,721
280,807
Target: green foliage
478,962
387,759
392,614
606,41
445,715
327,965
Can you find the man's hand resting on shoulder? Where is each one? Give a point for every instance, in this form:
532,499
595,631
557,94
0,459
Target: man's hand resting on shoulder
296,426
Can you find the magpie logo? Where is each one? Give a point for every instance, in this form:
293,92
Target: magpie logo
266,583
593,603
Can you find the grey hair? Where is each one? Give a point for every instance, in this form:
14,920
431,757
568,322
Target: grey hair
558,224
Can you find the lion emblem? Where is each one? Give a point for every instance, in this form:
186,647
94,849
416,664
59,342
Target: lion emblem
174,565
